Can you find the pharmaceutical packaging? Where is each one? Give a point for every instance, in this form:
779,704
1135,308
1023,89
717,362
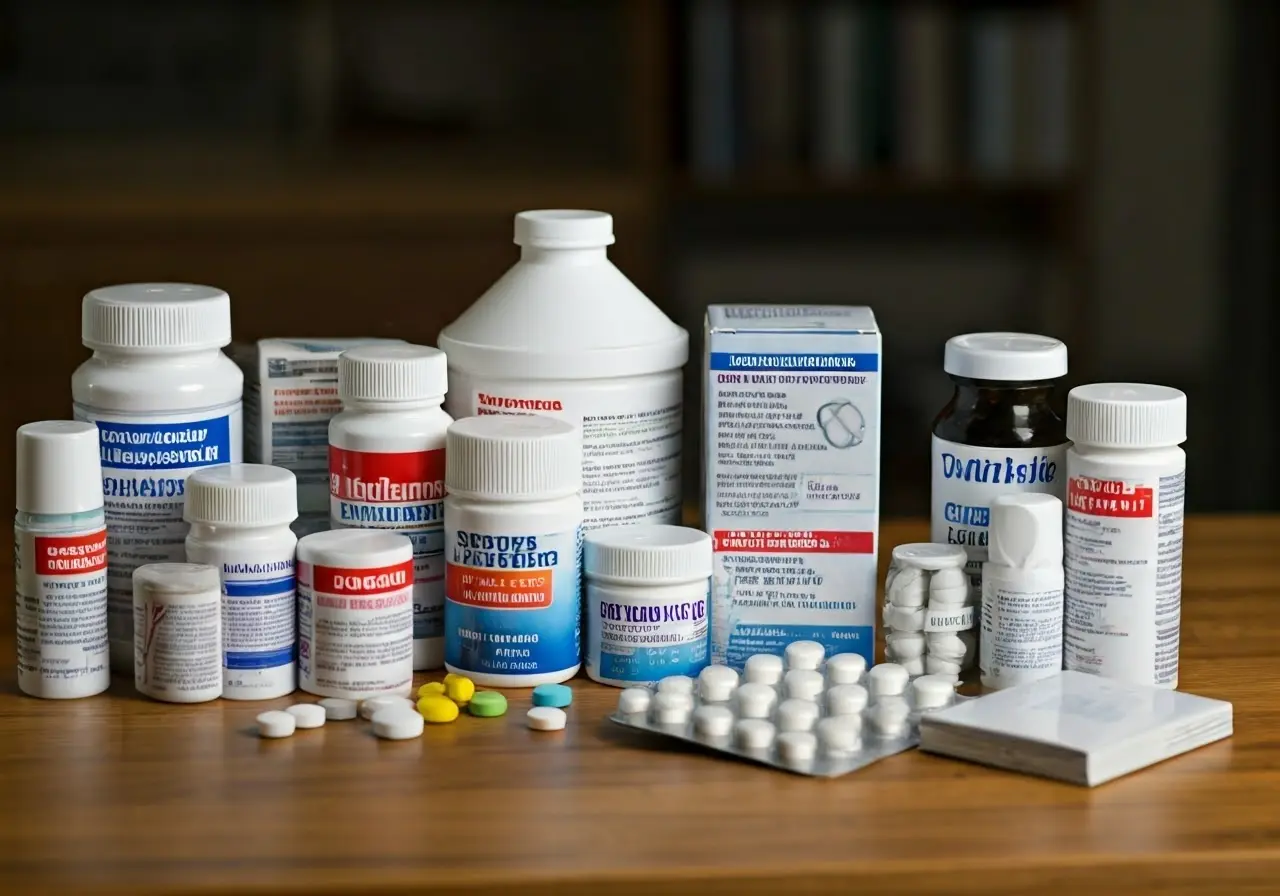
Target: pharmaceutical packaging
648,591
792,476
513,535
929,610
1022,581
546,718
60,562
565,334
1000,434
397,724
240,516
177,631
386,467
167,403
355,614
290,395
825,731
1126,489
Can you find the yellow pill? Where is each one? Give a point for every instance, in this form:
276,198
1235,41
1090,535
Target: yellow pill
450,676
460,690
438,709
432,689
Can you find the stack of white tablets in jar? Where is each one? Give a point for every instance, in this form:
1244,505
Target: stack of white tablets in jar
929,610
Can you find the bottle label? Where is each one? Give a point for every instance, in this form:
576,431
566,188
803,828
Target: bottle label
355,628
178,649
1021,628
948,619
966,479
513,601
403,492
259,618
640,641
1123,558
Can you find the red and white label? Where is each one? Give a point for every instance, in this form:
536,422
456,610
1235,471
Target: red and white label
386,477
745,541
1104,497
493,589
487,403
71,555
360,582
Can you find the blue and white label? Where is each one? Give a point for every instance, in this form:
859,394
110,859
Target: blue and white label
640,638
259,617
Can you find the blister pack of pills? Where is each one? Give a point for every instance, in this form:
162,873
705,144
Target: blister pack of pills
803,712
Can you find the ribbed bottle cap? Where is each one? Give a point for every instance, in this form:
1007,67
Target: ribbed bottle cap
516,457
647,554
1026,531
1005,357
58,467
392,373
155,317
176,578
242,495
1126,415
564,229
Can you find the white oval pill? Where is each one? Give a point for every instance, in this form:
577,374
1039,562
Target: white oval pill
887,680
933,691
804,654
676,684
891,576
947,645
840,734
670,708
905,645
374,704
713,721
948,597
276,723
936,665
890,716
846,699
716,683
803,684
763,668
545,718
797,746
970,639
906,593
797,715
753,734
633,700
337,709
907,577
845,668
307,715
755,701
398,723
914,666
906,619
945,579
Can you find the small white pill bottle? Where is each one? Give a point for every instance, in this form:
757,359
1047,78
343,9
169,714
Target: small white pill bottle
1126,489
167,402
1022,583
177,631
355,614
929,613
60,562
647,589
386,467
240,516
513,536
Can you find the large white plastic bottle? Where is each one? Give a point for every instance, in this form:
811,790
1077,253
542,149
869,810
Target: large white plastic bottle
566,334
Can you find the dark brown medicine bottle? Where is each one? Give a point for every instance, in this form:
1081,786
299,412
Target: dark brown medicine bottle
998,435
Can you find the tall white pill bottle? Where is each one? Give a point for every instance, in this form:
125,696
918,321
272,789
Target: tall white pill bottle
386,467
60,562
1122,545
240,516
513,535
565,334
167,402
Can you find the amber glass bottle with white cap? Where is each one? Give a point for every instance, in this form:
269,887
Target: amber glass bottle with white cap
1000,434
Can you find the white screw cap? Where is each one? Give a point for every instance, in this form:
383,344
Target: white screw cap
392,373
155,317
513,457
1026,531
564,229
58,467
1005,357
1126,415
242,495
647,555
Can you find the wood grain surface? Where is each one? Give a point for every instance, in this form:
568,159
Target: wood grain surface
119,795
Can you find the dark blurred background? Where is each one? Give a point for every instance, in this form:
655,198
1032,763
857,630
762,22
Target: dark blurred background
1099,170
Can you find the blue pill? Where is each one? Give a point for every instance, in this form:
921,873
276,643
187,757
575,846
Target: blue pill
557,695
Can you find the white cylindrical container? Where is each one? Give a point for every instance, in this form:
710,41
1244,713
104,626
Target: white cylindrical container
929,609
647,589
386,467
167,402
1022,591
240,516
1126,487
60,561
177,631
513,527
355,614
565,334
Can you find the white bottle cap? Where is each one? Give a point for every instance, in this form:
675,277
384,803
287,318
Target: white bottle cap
647,555
354,548
242,495
564,229
1126,415
513,457
392,373
58,467
1026,531
155,317
1005,357
930,556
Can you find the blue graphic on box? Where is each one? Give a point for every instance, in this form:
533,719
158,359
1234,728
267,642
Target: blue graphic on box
259,614
745,640
796,362
642,641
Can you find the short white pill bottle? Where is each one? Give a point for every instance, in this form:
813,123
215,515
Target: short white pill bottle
1126,489
167,402
355,614
240,516
647,589
386,467
177,631
513,545
60,562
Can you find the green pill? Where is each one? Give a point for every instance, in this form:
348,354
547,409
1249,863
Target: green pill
487,704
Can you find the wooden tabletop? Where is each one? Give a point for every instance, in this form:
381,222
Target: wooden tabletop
116,794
